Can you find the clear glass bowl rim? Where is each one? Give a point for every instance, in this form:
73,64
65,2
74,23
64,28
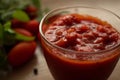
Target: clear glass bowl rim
72,51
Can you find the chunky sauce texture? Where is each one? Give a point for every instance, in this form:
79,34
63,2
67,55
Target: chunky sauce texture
82,33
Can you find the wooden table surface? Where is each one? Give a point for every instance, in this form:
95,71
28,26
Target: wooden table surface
26,72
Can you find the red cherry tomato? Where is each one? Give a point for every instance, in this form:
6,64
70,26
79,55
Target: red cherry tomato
21,53
30,8
23,31
32,26
31,11
17,24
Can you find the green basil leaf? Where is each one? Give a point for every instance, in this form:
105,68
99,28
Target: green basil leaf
21,15
23,37
7,25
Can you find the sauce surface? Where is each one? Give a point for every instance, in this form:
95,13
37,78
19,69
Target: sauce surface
82,33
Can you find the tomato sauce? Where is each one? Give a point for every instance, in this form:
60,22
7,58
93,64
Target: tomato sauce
84,36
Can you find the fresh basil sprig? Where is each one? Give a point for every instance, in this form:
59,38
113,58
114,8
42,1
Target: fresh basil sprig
7,7
13,9
21,15
10,37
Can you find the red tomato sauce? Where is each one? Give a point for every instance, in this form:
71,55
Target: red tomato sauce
80,33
